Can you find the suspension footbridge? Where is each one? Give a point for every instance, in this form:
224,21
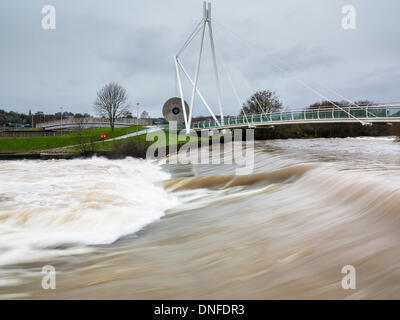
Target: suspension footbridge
180,112
366,116
177,110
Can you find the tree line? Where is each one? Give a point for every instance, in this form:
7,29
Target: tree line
267,101
13,119
111,103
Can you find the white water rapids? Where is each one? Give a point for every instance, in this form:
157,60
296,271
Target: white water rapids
137,229
46,204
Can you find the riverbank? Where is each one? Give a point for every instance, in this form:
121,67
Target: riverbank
43,156
327,130
133,144
124,142
40,144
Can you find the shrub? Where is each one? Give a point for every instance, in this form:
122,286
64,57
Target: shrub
133,148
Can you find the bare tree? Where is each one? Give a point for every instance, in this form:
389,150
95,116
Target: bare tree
262,101
325,104
111,102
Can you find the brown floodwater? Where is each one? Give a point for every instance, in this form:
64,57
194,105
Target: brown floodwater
137,229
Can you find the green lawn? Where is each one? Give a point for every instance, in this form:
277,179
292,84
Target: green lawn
170,139
43,143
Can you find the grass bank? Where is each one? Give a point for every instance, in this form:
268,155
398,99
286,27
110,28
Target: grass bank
135,146
170,139
26,144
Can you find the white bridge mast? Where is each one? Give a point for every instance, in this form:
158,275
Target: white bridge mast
206,21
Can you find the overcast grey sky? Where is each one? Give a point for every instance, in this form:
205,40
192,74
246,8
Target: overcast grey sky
133,43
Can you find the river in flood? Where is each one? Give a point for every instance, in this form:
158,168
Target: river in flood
140,229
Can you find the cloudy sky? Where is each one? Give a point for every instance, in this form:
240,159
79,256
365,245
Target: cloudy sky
133,42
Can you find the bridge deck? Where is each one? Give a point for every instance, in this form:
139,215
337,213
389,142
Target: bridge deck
368,115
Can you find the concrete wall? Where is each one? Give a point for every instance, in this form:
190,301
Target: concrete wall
21,133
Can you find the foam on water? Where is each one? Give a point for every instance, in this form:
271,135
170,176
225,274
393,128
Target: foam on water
59,207
360,145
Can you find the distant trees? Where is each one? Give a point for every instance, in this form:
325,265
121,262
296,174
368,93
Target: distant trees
144,115
363,103
325,104
326,130
262,101
128,114
328,104
10,118
111,102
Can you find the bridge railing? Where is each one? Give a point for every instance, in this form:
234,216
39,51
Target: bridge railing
308,115
83,121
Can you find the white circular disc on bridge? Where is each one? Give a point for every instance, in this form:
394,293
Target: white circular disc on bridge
173,111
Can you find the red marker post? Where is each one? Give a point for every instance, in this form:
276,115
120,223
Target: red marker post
103,137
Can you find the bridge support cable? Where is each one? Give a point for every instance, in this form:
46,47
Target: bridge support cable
235,91
201,26
191,37
346,99
301,82
198,91
252,92
248,85
196,77
324,97
178,77
221,111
